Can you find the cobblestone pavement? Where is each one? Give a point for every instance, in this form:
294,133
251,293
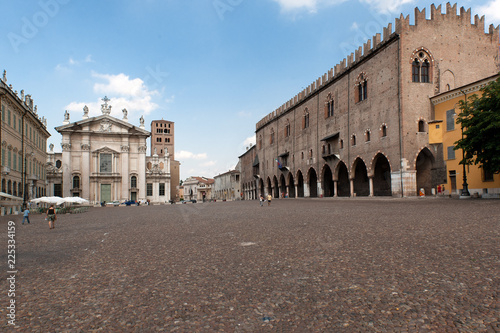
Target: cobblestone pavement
306,265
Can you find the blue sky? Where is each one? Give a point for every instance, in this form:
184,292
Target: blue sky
214,67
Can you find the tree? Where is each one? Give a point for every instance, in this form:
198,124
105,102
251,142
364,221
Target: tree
480,121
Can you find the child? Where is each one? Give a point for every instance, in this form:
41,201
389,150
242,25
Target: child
261,200
26,215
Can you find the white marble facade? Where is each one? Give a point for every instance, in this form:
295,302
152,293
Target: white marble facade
104,159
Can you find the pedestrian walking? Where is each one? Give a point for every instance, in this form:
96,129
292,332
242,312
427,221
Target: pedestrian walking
51,216
261,200
26,215
269,197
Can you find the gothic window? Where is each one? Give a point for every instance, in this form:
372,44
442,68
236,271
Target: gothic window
415,71
105,163
367,136
260,142
421,62
287,129
353,140
305,119
271,137
76,182
329,106
362,87
424,75
133,182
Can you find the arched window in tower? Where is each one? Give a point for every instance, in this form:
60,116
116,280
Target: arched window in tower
415,71
271,137
421,66
260,142
353,140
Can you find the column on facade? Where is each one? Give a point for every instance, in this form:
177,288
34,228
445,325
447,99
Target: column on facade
66,165
351,186
296,191
307,193
141,168
370,182
320,189
85,170
125,171
335,184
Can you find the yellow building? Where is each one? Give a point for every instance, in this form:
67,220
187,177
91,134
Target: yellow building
23,138
444,132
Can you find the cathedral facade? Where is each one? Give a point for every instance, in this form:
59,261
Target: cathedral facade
362,128
104,159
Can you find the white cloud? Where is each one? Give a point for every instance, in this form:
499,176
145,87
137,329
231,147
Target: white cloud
491,10
187,155
121,85
124,93
250,140
354,26
209,163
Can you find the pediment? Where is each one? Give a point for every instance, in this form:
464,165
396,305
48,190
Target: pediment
105,125
104,150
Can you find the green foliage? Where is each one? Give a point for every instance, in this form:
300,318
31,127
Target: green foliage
480,120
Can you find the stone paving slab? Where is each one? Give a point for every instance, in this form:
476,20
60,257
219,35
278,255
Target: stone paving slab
303,265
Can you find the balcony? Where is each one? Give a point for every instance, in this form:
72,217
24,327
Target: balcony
5,170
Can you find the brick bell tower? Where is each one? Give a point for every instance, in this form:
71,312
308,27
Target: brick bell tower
163,139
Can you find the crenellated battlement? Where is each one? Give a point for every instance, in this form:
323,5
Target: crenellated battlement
378,41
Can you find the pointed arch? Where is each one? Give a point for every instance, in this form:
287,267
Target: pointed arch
341,174
291,186
381,167
312,181
300,184
327,181
360,183
424,163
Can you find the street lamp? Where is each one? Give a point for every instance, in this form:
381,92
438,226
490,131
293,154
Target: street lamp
465,187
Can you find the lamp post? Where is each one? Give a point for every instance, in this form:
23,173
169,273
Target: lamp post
465,187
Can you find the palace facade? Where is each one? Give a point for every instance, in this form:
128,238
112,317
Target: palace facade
23,137
362,128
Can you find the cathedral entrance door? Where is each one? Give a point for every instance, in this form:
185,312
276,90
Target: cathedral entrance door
106,192
133,196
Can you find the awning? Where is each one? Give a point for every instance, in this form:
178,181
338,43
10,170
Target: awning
329,137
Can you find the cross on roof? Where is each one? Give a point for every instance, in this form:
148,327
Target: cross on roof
105,100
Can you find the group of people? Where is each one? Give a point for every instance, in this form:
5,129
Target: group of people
269,198
51,216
